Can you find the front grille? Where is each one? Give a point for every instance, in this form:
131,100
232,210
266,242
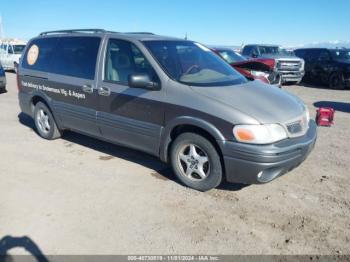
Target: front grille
289,65
298,127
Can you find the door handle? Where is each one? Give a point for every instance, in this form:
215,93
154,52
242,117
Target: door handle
104,91
88,89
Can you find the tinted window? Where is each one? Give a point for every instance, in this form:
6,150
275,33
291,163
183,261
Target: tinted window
18,49
247,50
46,48
191,63
341,55
10,50
76,56
123,59
308,54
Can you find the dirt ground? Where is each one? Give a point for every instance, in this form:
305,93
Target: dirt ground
77,195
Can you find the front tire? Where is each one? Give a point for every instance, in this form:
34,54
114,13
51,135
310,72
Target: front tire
45,123
196,162
336,81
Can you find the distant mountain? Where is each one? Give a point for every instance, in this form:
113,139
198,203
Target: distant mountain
329,44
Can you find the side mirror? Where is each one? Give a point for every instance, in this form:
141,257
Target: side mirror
142,81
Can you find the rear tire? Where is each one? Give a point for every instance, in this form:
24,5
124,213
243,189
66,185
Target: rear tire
45,123
196,162
336,81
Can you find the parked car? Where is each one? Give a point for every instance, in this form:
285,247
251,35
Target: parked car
290,67
326,66
2,79
168,97
251,69
10,54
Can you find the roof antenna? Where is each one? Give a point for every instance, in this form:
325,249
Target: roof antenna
186,36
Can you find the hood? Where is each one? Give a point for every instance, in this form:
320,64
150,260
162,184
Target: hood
265,103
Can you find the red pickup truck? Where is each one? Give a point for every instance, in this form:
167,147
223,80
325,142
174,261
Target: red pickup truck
260,68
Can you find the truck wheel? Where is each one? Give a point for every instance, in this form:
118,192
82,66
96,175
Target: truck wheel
45,123
196,162
336,81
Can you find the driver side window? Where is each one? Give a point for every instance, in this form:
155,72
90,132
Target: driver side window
123,59
10,50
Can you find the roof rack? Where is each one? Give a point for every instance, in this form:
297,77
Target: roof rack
139,33
73,31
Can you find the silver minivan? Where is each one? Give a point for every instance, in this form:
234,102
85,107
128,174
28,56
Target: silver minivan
168,97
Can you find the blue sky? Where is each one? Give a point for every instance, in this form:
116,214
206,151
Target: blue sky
220,22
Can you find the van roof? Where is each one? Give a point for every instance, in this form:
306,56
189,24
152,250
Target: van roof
142,36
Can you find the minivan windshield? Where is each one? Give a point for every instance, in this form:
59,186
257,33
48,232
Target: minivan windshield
341,55
193,64
18,49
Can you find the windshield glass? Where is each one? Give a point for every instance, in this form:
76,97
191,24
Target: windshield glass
274,50
230,56
18,49
342,55
193,64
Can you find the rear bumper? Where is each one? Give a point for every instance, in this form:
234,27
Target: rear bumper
257,164
25,102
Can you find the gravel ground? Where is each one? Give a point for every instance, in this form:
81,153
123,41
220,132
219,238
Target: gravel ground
77,195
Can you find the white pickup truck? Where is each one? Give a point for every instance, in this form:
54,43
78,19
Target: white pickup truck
10,53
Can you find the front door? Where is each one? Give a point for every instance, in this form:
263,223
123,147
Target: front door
129,116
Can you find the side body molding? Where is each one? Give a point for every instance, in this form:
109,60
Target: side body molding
185,120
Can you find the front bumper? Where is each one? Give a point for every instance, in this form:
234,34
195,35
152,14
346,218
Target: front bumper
257,164
291,76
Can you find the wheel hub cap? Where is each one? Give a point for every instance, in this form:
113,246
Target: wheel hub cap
43,121
193,162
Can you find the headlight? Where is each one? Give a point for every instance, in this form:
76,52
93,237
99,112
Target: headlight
259,134
259,73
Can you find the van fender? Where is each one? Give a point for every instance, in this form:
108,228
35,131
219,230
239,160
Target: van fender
185,120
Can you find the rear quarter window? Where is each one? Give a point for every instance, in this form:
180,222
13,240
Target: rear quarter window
46,48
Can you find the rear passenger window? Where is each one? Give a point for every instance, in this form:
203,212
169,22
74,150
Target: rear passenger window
42,62
76,56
